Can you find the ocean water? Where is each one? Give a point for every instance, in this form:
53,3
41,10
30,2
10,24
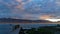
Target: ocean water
7,28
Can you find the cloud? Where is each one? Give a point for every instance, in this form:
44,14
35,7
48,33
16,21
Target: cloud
45,17
50,16
29,9
58,2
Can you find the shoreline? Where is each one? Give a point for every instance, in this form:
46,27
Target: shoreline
29,23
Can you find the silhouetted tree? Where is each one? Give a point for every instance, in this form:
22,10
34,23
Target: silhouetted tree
21,31
58,25
15,27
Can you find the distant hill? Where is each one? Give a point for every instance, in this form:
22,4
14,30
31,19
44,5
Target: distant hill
22,20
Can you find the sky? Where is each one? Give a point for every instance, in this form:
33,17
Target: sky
30,9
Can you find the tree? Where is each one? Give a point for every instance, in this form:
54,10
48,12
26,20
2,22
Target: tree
15,27
21,31
58,25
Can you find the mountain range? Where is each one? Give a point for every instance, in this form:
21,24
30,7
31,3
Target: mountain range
11,20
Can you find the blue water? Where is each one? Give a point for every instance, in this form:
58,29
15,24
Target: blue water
7,28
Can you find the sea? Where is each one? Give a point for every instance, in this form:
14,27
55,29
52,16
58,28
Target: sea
7,28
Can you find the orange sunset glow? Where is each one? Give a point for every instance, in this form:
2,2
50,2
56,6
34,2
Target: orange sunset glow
49,18
45,17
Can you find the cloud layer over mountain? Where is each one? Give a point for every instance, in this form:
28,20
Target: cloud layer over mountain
29,9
